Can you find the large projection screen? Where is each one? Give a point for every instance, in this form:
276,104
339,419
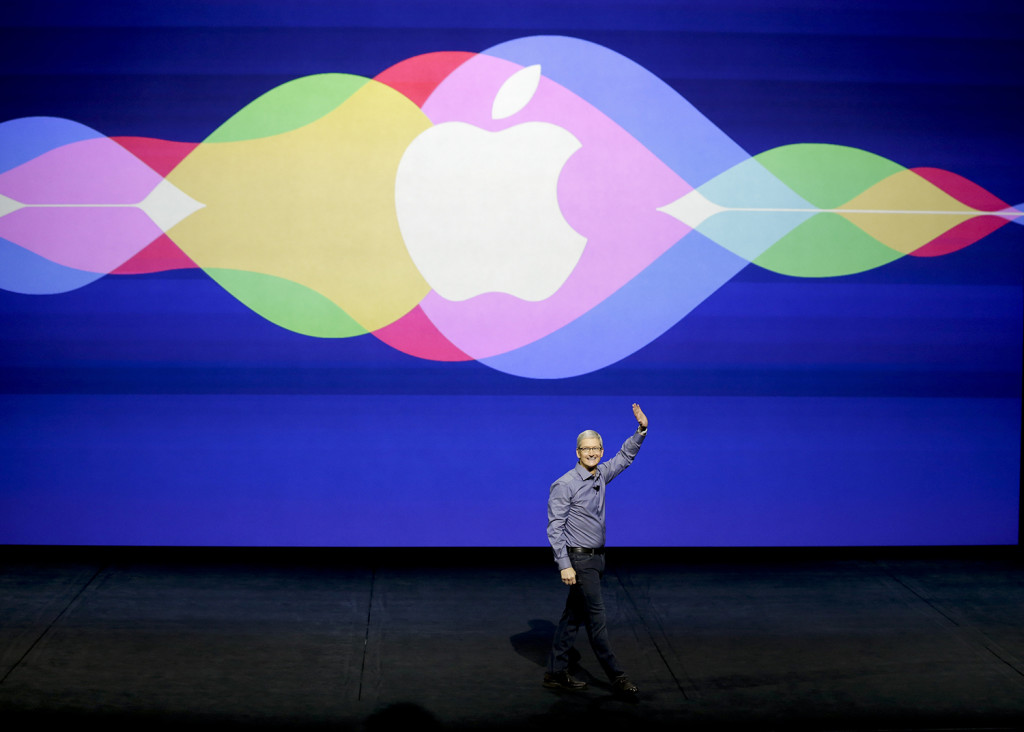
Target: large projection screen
356,274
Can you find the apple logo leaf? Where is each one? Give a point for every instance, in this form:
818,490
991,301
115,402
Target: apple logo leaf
516,92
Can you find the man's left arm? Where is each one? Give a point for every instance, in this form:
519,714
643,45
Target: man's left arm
624,458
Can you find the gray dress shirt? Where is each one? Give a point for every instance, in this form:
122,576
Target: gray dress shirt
576,502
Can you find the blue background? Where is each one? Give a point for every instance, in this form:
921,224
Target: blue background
876,409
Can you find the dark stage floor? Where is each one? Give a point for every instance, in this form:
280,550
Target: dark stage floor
457,639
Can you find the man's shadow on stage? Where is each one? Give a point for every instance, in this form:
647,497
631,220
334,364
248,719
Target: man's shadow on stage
535,645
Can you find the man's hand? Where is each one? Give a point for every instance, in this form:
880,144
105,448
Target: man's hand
641,418
569,576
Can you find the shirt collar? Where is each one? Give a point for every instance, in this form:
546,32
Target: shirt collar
584,474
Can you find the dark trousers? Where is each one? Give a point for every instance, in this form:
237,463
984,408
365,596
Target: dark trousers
585,607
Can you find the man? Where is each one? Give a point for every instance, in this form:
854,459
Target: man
576,532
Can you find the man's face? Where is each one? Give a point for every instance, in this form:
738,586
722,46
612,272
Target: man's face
589,452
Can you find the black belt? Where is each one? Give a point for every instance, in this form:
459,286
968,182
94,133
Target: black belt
584,550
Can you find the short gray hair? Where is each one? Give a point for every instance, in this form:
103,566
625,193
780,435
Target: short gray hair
588,435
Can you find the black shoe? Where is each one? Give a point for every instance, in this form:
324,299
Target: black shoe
562,680
622,686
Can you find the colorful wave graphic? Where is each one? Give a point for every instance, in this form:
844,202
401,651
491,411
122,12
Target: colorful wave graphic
546,207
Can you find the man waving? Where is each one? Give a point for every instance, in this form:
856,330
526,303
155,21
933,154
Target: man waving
576,506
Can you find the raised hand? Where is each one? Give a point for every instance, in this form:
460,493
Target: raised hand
641,418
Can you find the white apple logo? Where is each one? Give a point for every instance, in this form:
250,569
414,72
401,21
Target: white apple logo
478,210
